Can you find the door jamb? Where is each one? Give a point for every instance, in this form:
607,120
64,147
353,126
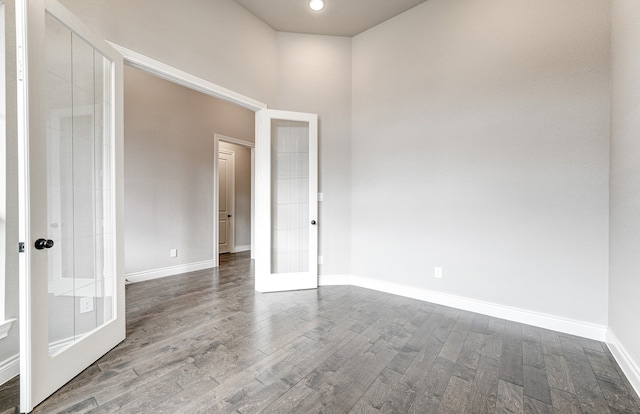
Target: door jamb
216,201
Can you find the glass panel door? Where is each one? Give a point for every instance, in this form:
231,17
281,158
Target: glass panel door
70,194
78,106
286,199
289,196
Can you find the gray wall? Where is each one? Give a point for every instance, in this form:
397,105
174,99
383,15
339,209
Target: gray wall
169,155
624,282
314,75
217,40
480,144
242,174
9,346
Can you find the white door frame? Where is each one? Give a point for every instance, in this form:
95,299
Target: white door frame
216,201
183,78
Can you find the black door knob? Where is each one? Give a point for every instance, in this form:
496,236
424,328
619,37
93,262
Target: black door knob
313,222
43,244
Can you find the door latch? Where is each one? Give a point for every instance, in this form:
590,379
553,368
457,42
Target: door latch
21,247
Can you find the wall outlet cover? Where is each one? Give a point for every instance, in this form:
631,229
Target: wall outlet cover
437,272
86,305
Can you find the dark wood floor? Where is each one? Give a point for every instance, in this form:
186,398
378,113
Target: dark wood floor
206,342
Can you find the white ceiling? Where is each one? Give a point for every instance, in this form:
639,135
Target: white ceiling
338,18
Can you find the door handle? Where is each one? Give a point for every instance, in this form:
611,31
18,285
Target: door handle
43,244
313,222
229,215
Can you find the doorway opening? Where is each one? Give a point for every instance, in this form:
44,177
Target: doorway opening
234,164
172,160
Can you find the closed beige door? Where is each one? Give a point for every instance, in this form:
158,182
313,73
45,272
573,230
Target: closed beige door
226,203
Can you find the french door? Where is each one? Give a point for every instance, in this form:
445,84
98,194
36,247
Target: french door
286,201
71,198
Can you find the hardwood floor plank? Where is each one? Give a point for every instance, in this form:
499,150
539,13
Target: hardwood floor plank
558,373
533,354
207,342
467,362
487,377
432,387
601,364
456,398
480,403
453,345
376,395
492,346
617,395
511,362
564,402
510,398
536,384
480,323
533,406
288,401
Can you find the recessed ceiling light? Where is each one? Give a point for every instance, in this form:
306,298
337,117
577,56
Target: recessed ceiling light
316,5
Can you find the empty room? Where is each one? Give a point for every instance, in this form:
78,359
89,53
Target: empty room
506,132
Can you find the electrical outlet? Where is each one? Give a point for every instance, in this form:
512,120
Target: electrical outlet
437,272
320,260
173,253
86,305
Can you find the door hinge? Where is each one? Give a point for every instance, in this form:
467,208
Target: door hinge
21,247
20,64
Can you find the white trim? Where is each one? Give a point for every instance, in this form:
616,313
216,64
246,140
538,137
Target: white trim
3,169
180,77
9,368
235,141
4,327
253,204
542,320
630,367
334,280
58,345
169,271
241,248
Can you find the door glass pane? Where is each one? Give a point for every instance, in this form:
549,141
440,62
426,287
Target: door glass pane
78,110
289,196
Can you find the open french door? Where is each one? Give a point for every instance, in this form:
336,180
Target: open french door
71,198
286,201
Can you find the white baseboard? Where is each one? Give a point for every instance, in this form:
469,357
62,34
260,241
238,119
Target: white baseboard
552,322
168,271
9,368
630,367
4,327
242,248
334,280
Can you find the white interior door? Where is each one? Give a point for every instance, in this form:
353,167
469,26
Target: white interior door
286,200
226,200
70,134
